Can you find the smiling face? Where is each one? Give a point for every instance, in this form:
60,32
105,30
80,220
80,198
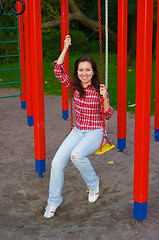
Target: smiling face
85,73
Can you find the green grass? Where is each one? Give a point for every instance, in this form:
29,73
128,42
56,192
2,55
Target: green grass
53,87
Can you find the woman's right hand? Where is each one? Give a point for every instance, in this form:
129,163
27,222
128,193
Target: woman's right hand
67,42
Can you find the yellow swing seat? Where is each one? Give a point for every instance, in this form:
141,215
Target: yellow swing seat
106,147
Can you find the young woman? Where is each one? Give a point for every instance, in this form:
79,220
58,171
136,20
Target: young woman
86,136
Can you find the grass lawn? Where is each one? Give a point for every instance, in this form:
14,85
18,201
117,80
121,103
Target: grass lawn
53,87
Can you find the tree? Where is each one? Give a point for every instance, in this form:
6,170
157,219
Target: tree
76,14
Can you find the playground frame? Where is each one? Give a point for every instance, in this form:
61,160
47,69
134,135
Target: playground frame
33,65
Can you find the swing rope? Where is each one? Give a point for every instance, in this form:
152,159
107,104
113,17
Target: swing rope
101,66
106,49
69,65
106,43
101,69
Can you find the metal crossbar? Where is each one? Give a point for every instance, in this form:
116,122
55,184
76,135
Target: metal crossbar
2,56
8,41
9,83
7,69
9,28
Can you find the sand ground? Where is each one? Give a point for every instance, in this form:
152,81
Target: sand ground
24,195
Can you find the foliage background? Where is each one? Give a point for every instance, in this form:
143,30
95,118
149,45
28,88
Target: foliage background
84,39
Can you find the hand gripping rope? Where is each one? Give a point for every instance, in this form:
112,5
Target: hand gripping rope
14,6
69,66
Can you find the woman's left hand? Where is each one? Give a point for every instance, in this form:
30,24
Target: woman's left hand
103,91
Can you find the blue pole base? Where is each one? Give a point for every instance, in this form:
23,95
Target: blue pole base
65,114
23,104
30,120
40,167
121,144
156,135
140,211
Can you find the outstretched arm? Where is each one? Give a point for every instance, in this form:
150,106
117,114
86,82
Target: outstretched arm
67,43
59,65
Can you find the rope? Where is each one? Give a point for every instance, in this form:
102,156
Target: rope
106,48
106,43
100,40
101,69
103,116
101,65
69,64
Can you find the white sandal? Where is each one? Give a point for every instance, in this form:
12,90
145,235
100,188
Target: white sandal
93,194
50,211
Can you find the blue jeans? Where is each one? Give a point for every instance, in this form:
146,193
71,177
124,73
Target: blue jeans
76,147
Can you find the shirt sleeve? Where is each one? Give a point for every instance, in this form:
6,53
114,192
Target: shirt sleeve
110,111
61,75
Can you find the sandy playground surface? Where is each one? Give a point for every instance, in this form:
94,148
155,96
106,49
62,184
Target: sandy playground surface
24,195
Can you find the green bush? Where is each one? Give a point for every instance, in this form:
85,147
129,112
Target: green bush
79,41
52,43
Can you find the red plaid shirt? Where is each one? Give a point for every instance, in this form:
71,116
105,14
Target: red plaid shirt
88,108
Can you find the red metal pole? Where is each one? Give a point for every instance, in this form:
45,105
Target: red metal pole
143,104
27,26
157,80
22,57
37,85
64,32
122,75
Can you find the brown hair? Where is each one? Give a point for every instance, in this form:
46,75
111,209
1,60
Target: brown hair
76,83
